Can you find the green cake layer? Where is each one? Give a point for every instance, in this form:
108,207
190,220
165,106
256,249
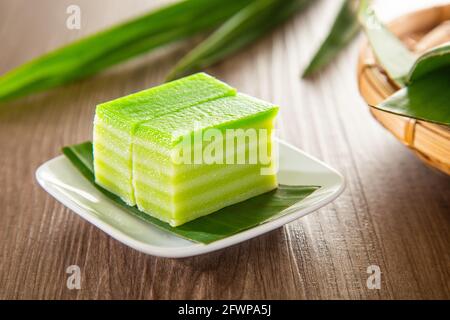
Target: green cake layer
116,120
175,188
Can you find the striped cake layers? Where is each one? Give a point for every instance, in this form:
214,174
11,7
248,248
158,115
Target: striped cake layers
179,192
116,120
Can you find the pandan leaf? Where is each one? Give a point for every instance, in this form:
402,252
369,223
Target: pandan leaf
213,227
342,32
249,24
96,52
390,52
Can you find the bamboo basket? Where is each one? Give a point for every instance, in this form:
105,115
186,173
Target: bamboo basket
430,142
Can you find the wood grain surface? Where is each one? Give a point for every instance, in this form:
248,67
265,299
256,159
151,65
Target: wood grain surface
395,212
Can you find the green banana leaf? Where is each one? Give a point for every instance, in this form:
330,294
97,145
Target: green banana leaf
342,32
210,228
249,24
427,98
427,95
390,52
424,81
432,60
99,51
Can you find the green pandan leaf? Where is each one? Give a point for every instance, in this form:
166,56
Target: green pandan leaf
247,25
390,52
210,228
343,30
94,53
434,59
426,98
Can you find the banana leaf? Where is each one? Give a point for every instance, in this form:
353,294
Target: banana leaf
427,98
432,60
99,51
210,228
249,24
390,52
342,32
427,95
424,81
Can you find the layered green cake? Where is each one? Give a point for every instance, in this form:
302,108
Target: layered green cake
185,149
115,121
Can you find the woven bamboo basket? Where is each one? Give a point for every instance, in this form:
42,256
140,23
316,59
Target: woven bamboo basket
419,30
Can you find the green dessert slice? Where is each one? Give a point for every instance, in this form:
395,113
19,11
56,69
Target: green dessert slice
116,120
179,173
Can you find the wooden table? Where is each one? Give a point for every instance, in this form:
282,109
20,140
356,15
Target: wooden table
395,212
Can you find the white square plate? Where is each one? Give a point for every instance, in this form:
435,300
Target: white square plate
63,181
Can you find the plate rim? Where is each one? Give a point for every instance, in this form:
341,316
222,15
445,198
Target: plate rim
196,248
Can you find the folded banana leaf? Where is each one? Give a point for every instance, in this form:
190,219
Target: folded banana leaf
427,98
249,24
424,81
432,60
427,94
99,51
210,228
342,32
